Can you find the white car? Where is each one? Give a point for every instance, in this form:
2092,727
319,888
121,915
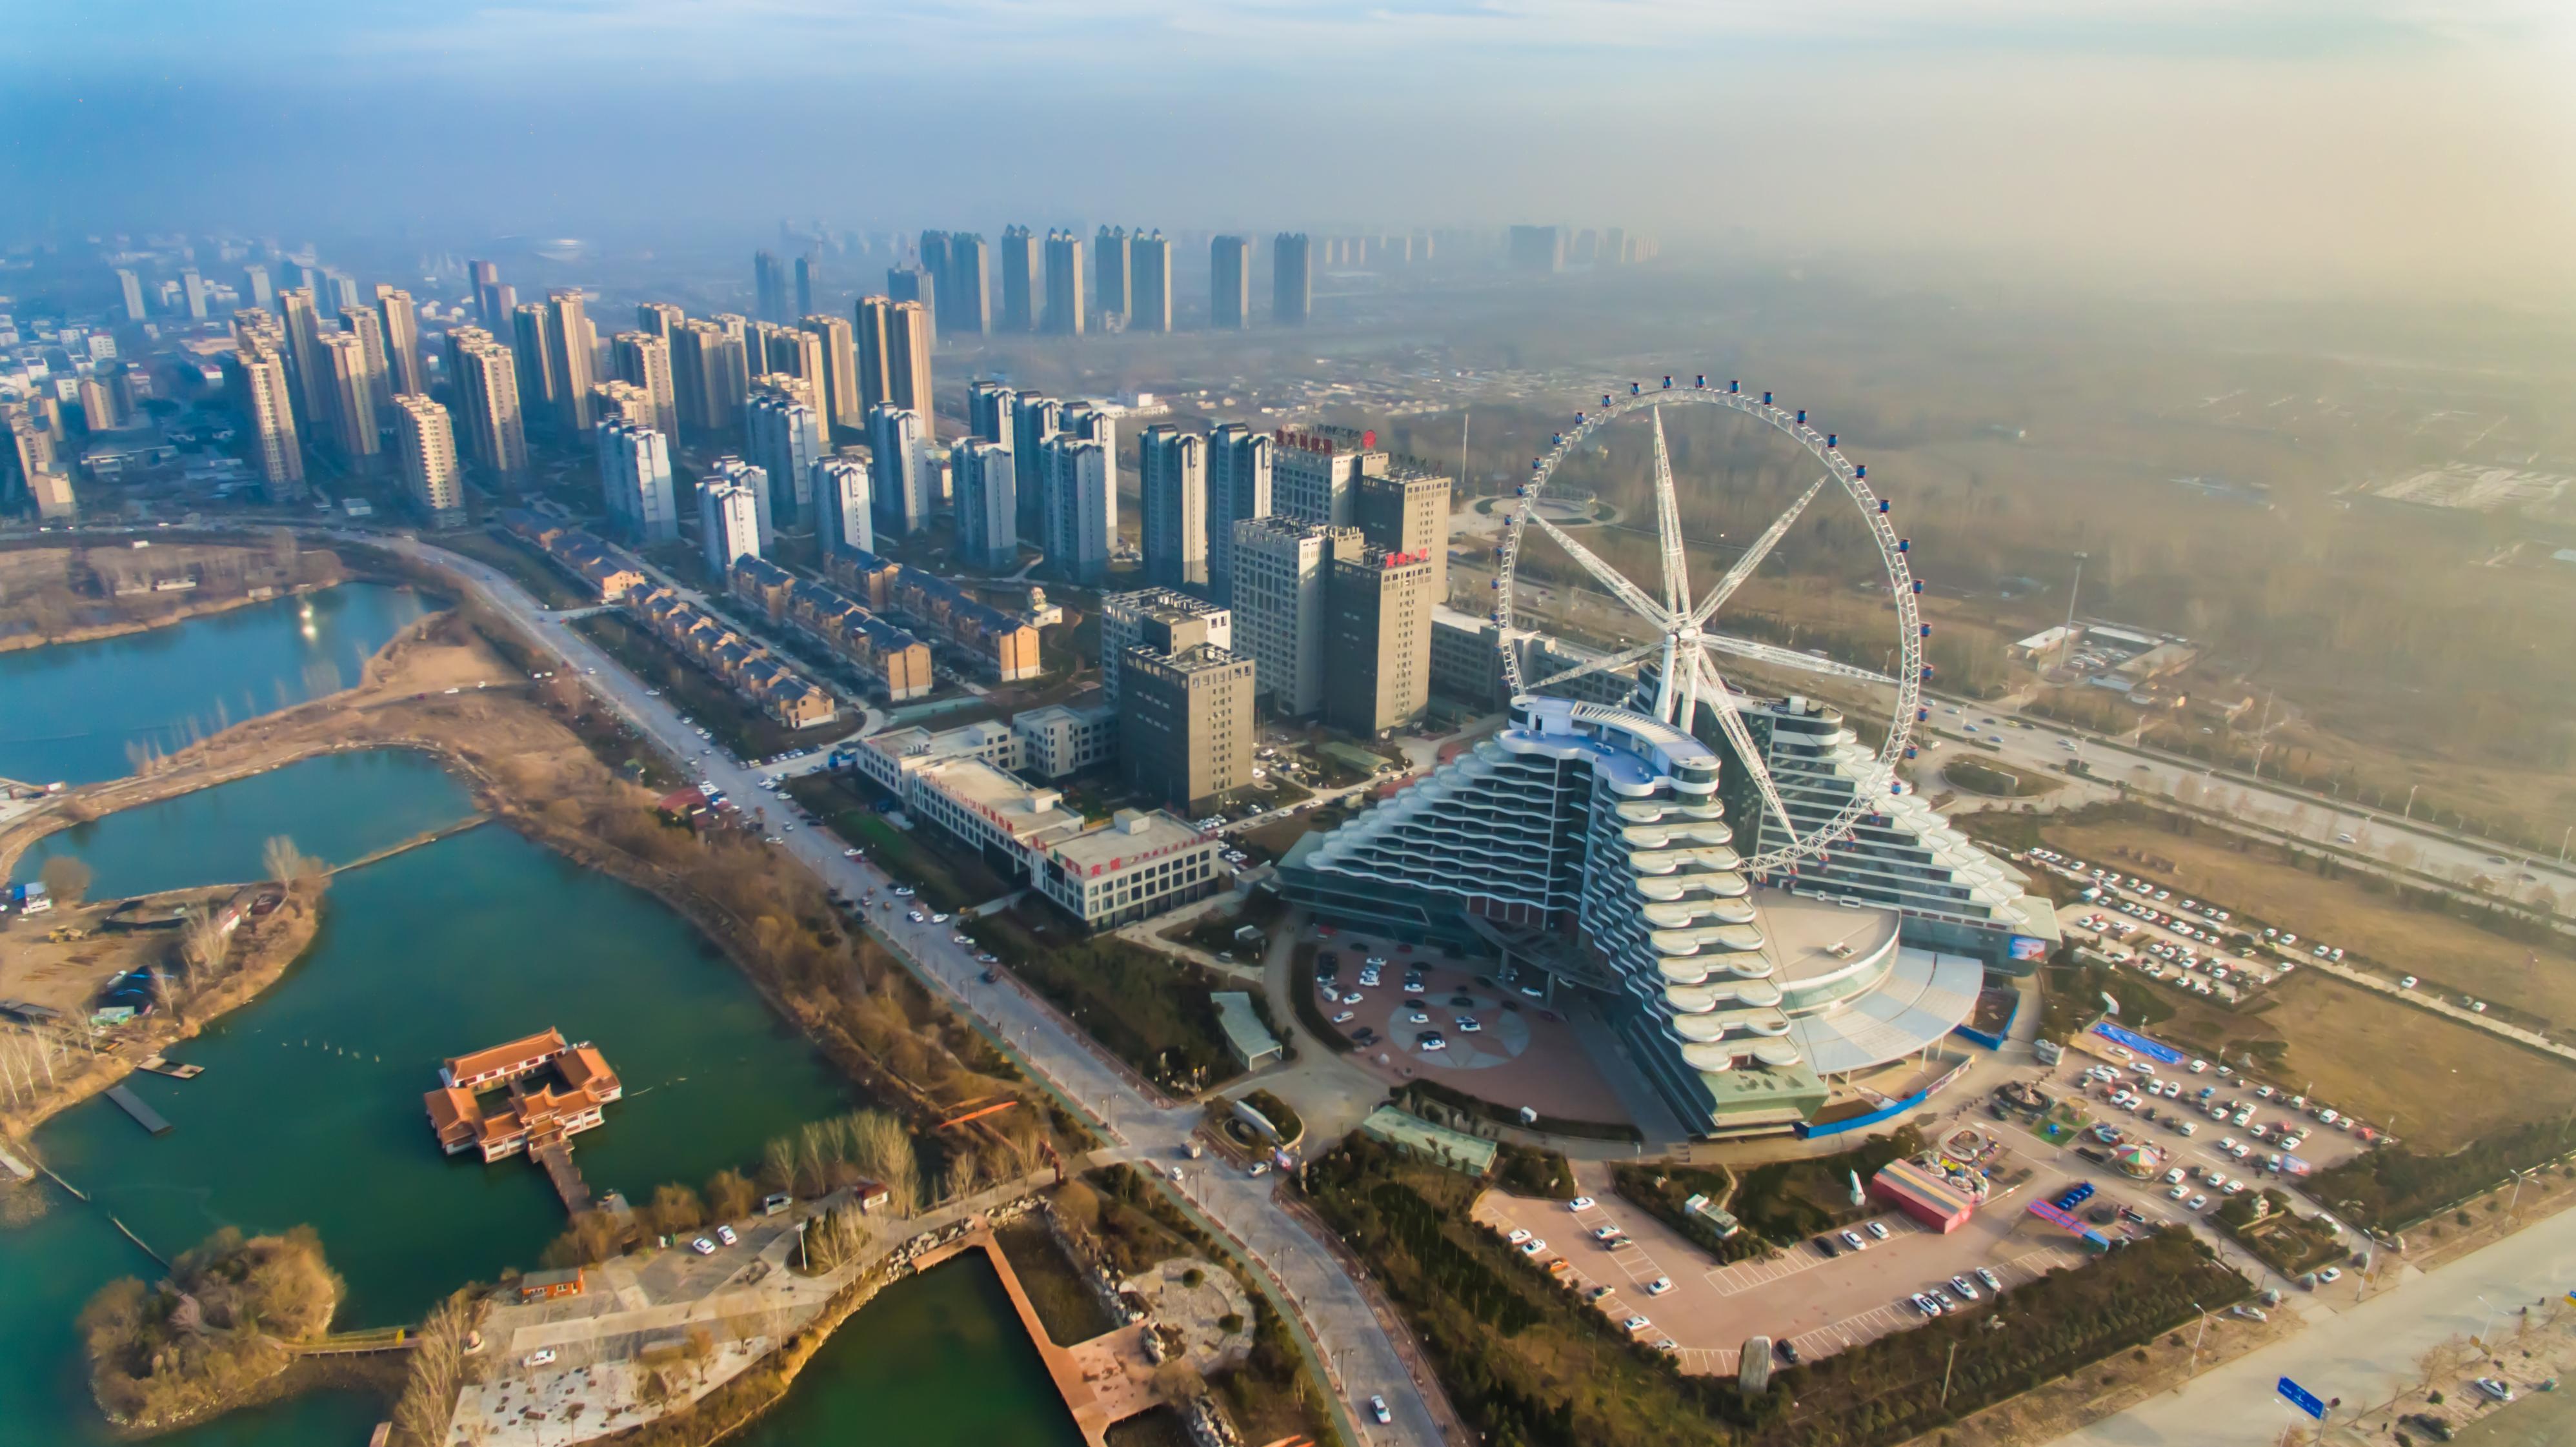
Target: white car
1430,1040
2197,1203
1579,1203
1635,1324
1533,1246
1377,1410
1659,1286
542,1356
1518,1235
725,1234
1343,1018
1960,1285
1877,1230
1993,1282
1607,1233
939,919
2407,983
703,1246
916,916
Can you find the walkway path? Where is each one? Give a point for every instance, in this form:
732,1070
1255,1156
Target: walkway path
2426,1000
1338,1314
1104,1381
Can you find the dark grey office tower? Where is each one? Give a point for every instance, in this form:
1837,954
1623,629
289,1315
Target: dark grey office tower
965,288
1292,280
934,259
1064,303
1022,275
1110,262
1149,300
1034,419
539,389
915,283
805,285
1229,283
1239,478
990,407
769,288
1172,479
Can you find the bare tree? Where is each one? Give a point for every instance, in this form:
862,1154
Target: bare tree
291,866
204,941
428,1401
961,1175
66,879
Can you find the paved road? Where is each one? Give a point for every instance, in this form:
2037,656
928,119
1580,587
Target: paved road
1363,1358
2365,1354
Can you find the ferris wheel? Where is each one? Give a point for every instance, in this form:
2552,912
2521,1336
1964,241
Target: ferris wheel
1684,643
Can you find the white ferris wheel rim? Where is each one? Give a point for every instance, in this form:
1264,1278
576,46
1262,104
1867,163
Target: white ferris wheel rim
1853,480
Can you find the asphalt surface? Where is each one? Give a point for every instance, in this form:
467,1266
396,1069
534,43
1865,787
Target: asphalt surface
2363,1354
1362,1359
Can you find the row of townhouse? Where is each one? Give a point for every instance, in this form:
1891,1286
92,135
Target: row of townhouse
746,664
1003,644
599,566
890,658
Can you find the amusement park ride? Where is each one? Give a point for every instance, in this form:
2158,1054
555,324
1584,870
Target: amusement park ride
1684,645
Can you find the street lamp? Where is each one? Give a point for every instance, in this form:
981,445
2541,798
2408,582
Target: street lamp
2409,811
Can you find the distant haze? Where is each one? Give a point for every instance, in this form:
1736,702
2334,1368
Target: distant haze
2380,145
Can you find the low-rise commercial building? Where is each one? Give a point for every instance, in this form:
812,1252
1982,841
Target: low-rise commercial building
1003,644
746,664
600,567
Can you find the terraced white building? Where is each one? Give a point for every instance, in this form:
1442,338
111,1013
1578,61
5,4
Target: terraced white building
1589,847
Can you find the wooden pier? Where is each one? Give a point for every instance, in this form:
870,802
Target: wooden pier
171,1068
555,1154
144,1115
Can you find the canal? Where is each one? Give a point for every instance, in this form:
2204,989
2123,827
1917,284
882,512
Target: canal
310,1107
80,712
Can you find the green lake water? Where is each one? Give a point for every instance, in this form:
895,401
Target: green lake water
71,711
937,1360
310,1112
339,807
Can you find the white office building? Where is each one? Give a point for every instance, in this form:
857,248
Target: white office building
729,518
844,520
899,451
784,436
1172,478
1123,618
732,469
635,482
985,479
1240,479
1081,507
1281,570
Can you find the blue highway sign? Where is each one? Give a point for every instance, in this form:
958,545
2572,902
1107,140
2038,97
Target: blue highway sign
2303,1399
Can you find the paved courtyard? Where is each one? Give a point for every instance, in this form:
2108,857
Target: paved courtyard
1820,1305
1522,1052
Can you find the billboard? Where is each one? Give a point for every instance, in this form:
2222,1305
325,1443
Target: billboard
2025,947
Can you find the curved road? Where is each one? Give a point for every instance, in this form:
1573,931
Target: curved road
1361,1359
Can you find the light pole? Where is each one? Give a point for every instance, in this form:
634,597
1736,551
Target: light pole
2562,842
2195,1346
2409,811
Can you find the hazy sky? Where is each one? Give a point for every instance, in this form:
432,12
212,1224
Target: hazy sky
2380,143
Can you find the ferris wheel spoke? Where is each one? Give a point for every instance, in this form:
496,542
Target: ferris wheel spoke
1730,721
1725,587
1602,664
1789,658
1668,522
1610,577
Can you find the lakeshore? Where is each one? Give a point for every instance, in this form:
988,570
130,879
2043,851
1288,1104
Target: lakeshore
189,818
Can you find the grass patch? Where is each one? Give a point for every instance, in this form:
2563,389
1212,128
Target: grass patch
2290,1244
1278,1112
2434,1082
1065,1303
2393,1188
1994,780
1527,1363
1435,1101
946,875
519,564
1660,1191
739,727
1148,1009
1784,1200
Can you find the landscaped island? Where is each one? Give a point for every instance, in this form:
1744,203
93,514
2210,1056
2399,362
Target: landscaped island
212,1334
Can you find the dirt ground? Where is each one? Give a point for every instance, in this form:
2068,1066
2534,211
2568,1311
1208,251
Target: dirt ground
2443,951
68,975
2375,1057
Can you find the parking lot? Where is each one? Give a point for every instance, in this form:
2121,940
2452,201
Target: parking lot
1519,1052
1819,1305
